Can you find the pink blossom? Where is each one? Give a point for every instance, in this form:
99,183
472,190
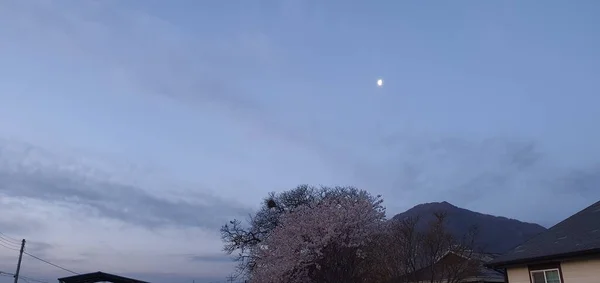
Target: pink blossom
296,246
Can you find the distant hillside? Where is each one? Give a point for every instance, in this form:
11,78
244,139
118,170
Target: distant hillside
496,234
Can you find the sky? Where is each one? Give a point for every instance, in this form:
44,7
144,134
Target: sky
130,131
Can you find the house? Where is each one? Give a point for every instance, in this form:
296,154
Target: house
569,252
455,267
98,277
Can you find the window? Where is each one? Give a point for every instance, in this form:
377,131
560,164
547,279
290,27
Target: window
545,276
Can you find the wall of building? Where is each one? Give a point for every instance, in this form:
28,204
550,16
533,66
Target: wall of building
518,275
573,271
581,271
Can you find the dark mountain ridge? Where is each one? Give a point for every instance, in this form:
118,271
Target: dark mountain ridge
496,234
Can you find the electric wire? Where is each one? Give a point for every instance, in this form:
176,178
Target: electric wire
7,247
26,278
12,247
10,239
9,242
50,263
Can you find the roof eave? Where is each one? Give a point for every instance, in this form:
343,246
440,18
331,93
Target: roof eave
96,276
561,256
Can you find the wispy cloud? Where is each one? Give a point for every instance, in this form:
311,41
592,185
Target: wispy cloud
211,258
152,54
47,199
18,225
154,57
27,174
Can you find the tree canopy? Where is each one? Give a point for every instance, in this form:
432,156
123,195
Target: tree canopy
321,234
323,242
243,239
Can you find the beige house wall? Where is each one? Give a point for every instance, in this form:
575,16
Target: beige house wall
573,271
581,271
518,275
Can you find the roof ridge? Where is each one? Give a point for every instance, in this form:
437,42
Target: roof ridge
585,210
557,225
546,243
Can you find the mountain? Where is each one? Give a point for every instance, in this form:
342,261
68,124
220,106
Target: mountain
496,234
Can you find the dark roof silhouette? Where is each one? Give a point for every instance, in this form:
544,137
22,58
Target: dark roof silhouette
577,235
98,277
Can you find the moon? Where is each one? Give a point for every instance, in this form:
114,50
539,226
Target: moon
379,82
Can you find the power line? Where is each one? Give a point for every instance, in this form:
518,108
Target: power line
5,242
10,244
47,262
26,278
10,239
14,249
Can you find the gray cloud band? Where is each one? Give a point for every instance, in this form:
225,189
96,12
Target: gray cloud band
124,202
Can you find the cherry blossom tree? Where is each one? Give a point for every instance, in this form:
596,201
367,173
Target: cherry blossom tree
321,242
243,240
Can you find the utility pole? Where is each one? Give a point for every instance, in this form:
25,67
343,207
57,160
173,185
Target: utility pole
19,263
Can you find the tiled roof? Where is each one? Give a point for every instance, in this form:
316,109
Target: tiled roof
577,234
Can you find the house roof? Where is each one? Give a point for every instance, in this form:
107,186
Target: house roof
577,235
98,277
483,272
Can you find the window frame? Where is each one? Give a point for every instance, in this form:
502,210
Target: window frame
543,271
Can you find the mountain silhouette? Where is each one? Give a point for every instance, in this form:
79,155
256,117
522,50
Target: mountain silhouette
496,234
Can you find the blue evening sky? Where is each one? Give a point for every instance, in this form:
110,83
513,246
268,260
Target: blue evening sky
131,130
